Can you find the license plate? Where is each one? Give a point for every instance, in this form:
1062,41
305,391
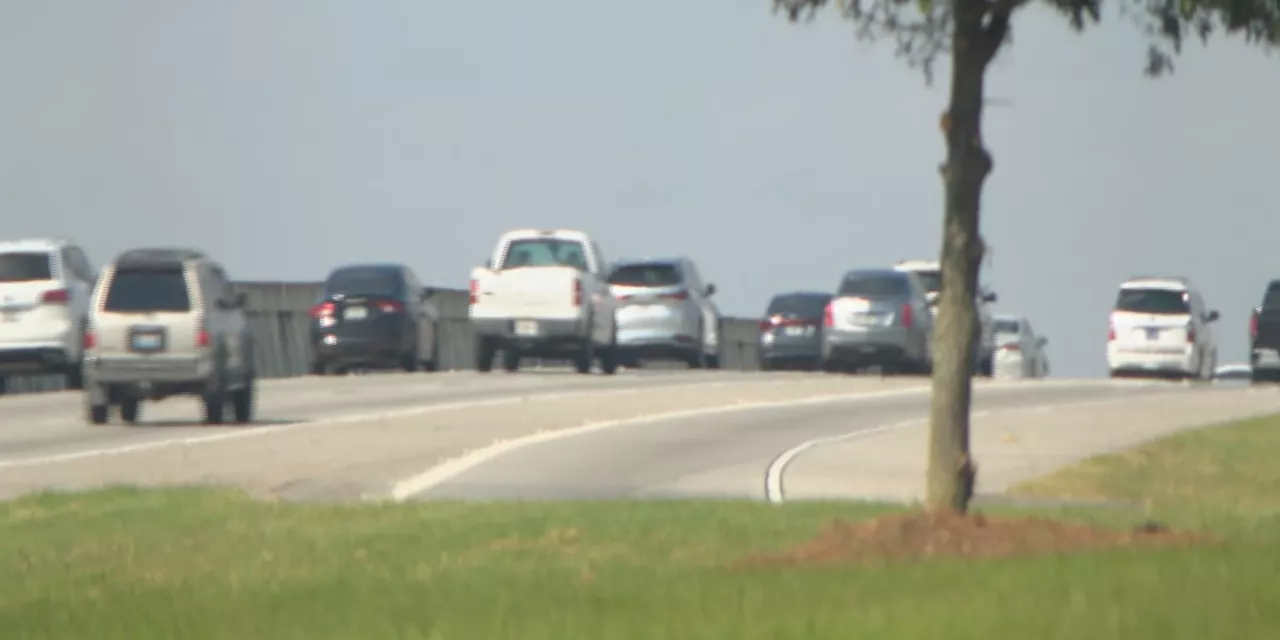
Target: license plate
795,331
147,341
355,313
526,328
1153,334
866,318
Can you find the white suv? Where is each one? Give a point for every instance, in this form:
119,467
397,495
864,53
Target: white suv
1160,327
930,274
165,322
45,286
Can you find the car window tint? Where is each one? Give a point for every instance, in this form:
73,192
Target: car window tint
26,266
646,275
148,290
1006,326
544,252
875,285
803,306
366,281
1153,301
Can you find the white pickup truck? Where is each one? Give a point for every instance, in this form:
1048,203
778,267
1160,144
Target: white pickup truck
544,294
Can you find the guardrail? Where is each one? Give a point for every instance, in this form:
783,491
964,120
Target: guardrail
278,316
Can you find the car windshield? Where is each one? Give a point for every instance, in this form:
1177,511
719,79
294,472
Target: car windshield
366,281
142,290
1006,326
874,285
544,252
801,306
25,266
1154,301
655,274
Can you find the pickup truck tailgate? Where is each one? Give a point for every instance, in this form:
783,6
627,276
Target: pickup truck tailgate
528,292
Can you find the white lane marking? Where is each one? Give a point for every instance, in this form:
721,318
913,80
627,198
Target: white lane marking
452,467
773,489
250,431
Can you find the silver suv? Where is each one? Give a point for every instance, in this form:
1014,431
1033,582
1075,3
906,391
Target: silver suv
165,322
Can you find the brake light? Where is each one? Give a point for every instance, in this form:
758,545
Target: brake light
90,340
390,306
323,310
679,295
1111,332
202,336
907,315
766,325
577,293
55,296
828,316
1191,335
475,290
1012,346
1253,325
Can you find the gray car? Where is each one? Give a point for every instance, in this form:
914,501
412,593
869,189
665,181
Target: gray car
881,318
664,312
791,331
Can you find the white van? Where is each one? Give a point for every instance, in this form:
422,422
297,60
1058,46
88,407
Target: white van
1160,327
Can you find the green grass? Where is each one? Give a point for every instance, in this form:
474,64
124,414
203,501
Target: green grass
135,565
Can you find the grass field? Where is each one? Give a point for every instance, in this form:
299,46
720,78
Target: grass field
136,565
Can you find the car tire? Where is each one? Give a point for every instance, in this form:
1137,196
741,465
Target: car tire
764,364
130,409
242,402
409,361
712,361
75,375
583,360
98,413
215,400
510,360
484,353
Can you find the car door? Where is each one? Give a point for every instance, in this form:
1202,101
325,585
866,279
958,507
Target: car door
704,307
231,321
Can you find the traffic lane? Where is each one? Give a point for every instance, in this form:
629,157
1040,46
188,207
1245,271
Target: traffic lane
1014,445
365,456
723,454
55,429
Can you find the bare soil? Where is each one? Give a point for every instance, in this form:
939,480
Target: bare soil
927,535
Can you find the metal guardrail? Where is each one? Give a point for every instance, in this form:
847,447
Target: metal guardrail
278,317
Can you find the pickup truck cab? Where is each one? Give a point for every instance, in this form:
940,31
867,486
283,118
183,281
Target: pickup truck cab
1264,336
544,294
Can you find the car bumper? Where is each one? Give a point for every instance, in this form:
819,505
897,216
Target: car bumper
337,349
1138,362
1264,358
875,344
34,358
545,331
147,370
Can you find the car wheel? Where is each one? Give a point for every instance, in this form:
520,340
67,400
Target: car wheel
511,360
129,410
586,354
215,401
242,402
484,352
99,413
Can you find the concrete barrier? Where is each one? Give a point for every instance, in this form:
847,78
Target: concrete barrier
278,317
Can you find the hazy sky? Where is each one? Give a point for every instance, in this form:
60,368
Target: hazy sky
288,137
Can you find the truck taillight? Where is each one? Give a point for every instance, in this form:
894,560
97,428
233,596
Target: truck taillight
577,293
475,290
1253,325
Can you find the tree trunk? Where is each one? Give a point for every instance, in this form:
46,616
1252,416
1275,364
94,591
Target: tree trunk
952,472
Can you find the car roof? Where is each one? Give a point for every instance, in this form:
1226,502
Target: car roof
1171,283
1007,316
155,256
33,244
917,265
530,233
376,266
627,262
801,294
898,273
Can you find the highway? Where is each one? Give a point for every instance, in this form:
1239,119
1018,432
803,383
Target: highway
558,435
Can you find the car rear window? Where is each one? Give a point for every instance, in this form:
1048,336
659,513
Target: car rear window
544,252
148,290
646,275
1271,299
366,281
802,306
875,286
1006,326
930,280
1153,301
25,266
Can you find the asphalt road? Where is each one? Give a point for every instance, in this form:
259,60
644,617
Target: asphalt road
526,435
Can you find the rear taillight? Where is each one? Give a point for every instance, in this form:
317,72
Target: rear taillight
766,325
828,316
55,296
1253,325
577,293
90,340
202,336
390,306
1191,335
1111,332
1012,346
475,290
907,316
323,310
679,295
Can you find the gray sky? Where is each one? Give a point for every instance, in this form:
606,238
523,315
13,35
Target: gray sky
289,137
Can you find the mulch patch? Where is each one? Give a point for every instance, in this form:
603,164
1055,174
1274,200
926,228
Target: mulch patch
926,535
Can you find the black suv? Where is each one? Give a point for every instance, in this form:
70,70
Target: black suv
375,316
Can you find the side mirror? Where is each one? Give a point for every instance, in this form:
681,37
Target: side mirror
711,289
488,264
427,292
1040,342
1211,316
989,297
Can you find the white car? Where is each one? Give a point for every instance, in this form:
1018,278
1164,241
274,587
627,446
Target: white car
930,274
1160,327
1019,351
45,285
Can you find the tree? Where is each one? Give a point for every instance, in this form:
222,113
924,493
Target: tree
972,32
